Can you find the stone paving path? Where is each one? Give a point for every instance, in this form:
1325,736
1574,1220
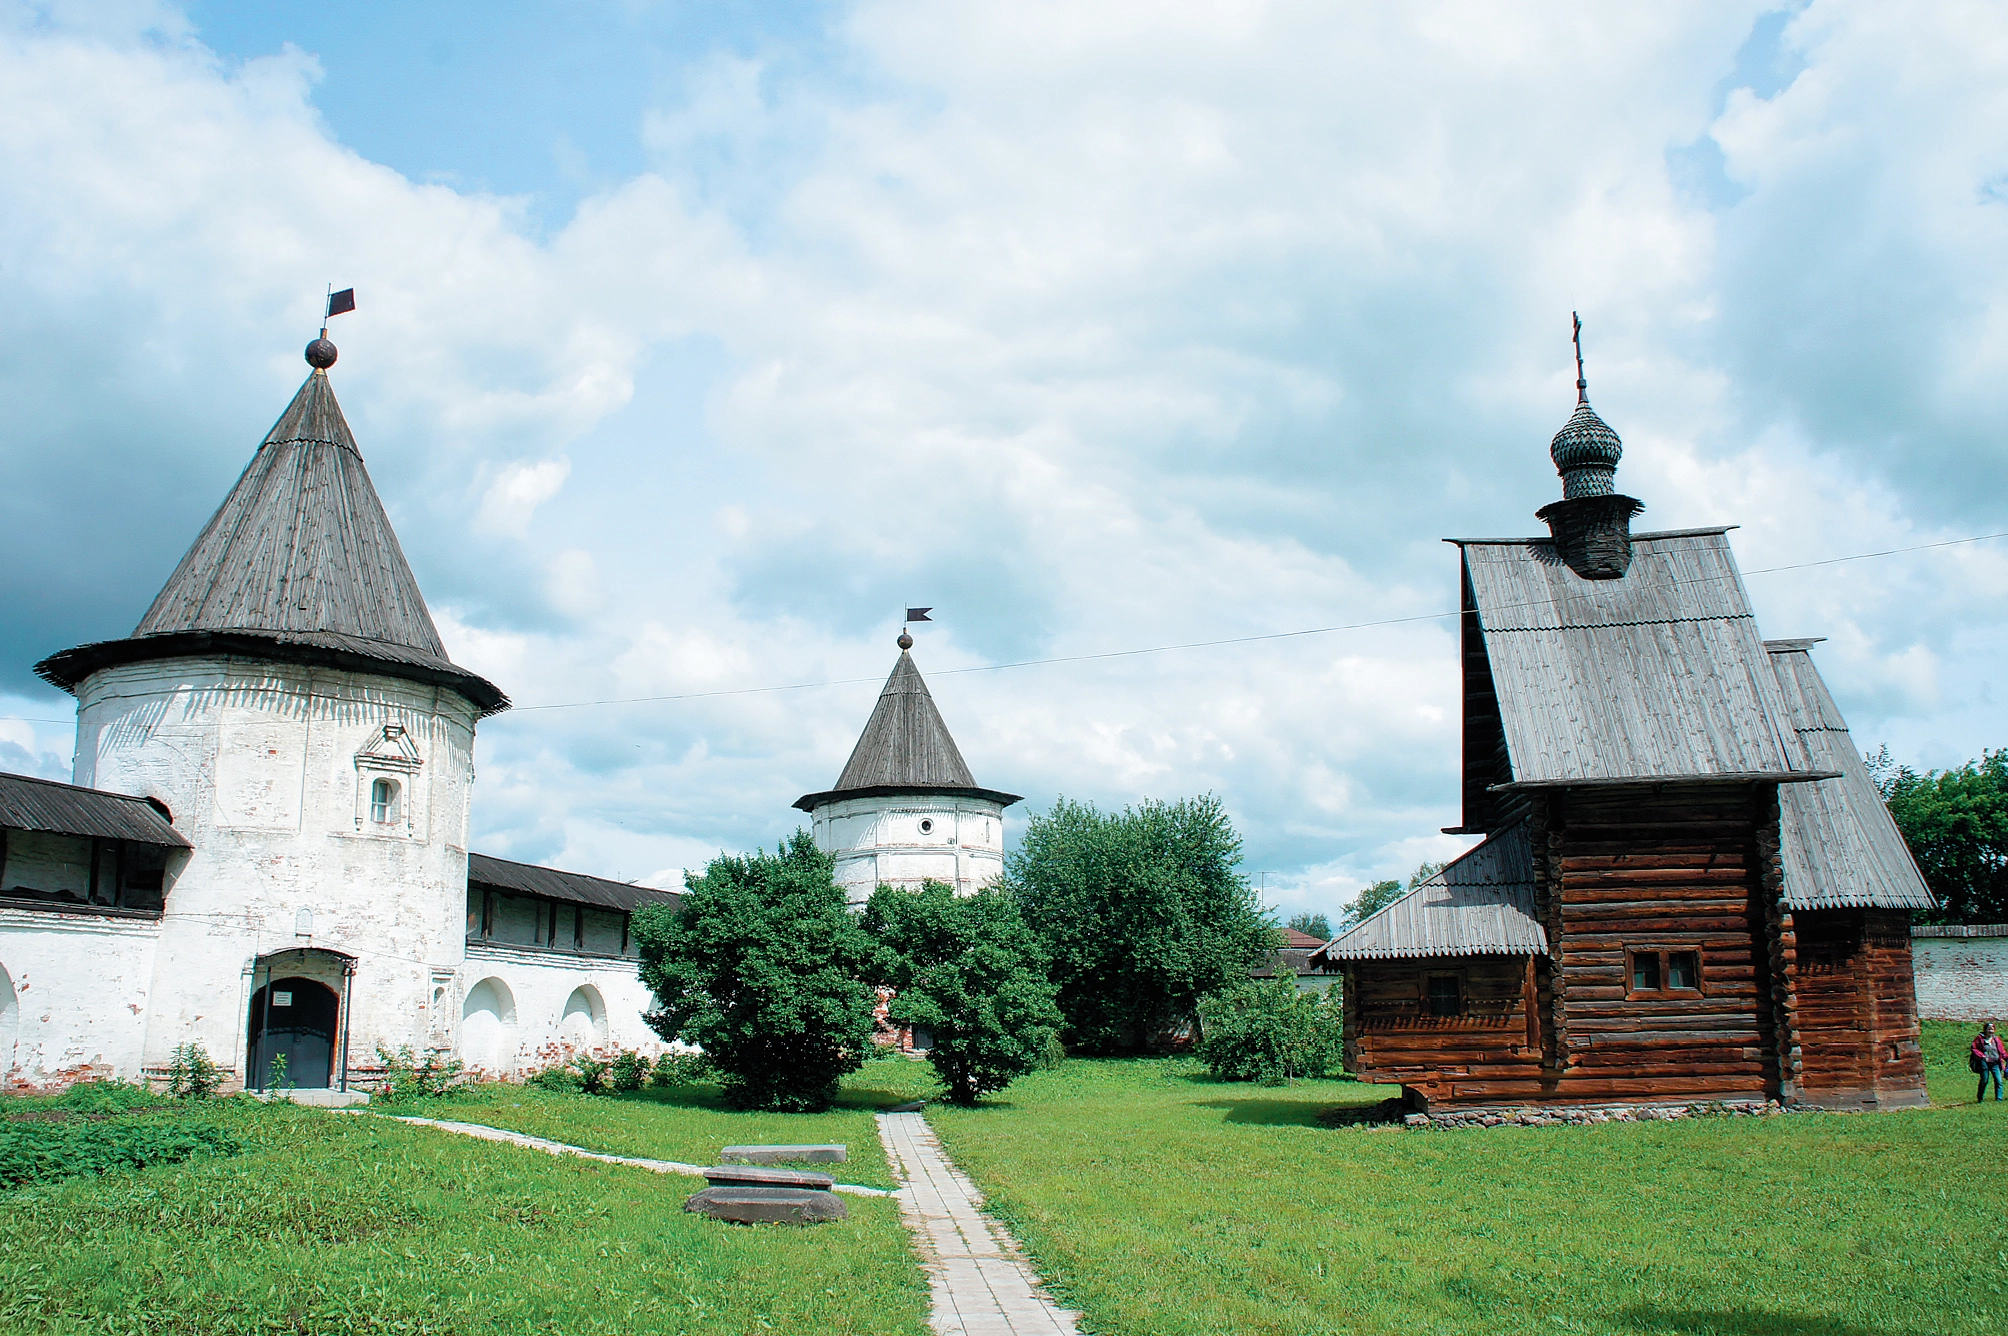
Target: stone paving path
978,1280
560,1148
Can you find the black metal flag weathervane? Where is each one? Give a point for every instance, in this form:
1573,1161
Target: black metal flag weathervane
339,303
919,614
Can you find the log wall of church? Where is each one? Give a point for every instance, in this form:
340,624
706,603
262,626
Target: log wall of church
1857,1009
1486,1049
1657,926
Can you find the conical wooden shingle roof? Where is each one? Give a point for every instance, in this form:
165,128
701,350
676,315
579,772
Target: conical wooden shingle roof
300,544
905,748
300,563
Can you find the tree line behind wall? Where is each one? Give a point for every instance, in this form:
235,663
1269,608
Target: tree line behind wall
1956,823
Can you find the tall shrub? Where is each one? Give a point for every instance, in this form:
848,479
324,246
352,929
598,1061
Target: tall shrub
1268,1030
764,968
1141,913
969,970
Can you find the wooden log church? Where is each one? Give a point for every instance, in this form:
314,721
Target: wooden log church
1689,890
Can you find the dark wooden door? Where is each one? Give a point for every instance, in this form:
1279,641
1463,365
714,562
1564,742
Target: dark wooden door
301,1026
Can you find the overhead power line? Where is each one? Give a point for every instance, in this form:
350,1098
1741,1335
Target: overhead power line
1190,644
1134,653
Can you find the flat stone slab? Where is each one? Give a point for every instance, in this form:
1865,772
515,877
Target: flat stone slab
768,1206
831,1154
757,1175
911,1106
320,1099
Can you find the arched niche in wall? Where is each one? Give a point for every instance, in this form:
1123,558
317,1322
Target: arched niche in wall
10,1020
583,1023
488,1027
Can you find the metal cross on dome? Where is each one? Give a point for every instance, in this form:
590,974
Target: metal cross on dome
1582,385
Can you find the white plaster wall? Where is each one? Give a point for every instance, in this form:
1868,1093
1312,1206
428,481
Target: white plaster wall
76,999
1961,978
905,839
540,985
258,763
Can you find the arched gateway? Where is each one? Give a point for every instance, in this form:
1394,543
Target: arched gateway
299,1013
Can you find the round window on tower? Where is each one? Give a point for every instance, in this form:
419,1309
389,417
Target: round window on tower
926,826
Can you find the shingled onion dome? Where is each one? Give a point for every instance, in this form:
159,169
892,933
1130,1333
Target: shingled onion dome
1592,522
299,564
1586,453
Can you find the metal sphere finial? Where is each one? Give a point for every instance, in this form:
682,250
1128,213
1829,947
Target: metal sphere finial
905,640
321,354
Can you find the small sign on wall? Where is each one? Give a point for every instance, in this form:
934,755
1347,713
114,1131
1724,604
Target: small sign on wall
282,999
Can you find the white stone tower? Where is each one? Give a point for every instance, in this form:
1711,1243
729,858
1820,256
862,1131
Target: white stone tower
906,809
288,699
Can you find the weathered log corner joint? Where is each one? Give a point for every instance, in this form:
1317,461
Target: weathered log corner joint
1689,893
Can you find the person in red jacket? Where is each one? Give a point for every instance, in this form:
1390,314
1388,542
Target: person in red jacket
1990,1059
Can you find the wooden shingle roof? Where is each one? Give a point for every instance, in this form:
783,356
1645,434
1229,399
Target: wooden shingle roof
27,803
1480,905
1841,848
299,562
1658,675
503,874
905,748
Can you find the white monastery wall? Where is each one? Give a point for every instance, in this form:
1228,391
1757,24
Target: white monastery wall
527,1009
268,769
73,995
905,839
1961,978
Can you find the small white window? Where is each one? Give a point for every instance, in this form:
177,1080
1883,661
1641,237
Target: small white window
383,801
926,826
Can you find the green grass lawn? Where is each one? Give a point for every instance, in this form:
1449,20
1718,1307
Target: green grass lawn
1155,1199
333,1223
1159,1201
689,1123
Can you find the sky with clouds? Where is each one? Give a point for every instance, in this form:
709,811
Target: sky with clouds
693,342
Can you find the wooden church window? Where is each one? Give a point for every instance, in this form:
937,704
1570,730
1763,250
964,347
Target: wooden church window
1446,995
1658,972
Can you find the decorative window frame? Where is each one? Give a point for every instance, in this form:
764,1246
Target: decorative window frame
392,754
1664,957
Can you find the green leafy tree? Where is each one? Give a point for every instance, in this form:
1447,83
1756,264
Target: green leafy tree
764,968
968,969
1312,925
1268,1030
1956,823
1372,901
1381,894
1141,913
